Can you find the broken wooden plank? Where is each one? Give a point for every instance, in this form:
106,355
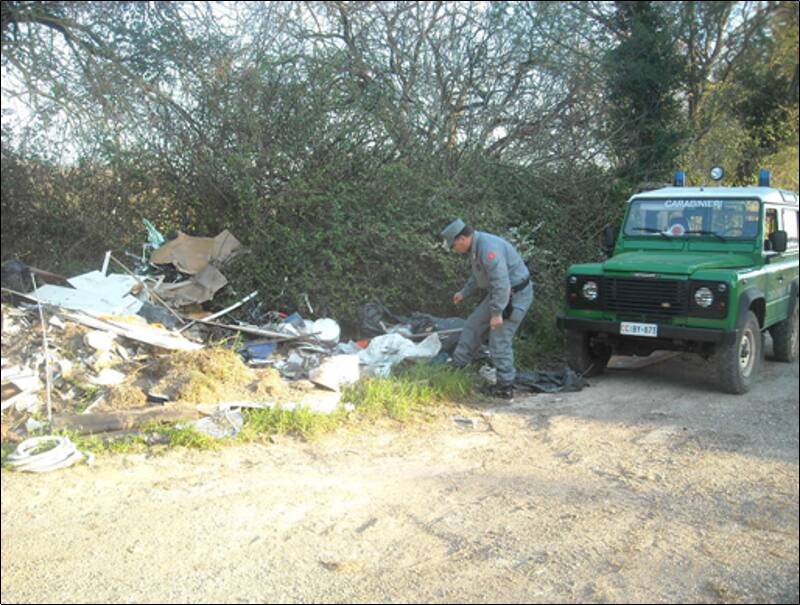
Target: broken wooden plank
143,333
51,278
123,420
255,331
440,333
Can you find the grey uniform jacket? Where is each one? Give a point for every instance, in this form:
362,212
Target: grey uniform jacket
496,266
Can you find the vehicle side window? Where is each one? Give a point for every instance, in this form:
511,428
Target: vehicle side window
789,218
770,226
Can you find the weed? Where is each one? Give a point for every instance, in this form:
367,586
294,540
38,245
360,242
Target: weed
300,421
411,390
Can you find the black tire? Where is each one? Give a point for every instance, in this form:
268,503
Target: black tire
583,356
739,363
784,338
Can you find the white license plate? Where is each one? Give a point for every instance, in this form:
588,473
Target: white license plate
634,329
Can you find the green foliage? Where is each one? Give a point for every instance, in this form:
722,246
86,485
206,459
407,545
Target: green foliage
301,422
336,156
644,73
747,119
186,436
152,435
410,392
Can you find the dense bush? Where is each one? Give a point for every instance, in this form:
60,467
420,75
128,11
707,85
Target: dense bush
335,140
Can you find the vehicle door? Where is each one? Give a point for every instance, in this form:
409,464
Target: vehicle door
781,266
773,268
787,263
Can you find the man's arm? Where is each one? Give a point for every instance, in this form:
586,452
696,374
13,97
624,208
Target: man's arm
469,287
499,284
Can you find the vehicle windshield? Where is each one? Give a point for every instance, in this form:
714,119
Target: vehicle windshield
668,218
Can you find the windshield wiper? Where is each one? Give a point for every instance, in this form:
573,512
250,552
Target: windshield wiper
652,230
704,232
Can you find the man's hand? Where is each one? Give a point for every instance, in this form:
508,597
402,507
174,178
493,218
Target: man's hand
496,321
457,298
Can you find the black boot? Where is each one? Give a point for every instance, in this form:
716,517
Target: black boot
505,390
501,390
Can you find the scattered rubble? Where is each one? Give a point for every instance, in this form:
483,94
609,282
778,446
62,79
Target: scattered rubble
124,349
110,351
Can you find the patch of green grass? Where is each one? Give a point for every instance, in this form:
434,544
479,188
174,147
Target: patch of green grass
128,444
186,436
96,444
410,391
143,441
6,449
301,421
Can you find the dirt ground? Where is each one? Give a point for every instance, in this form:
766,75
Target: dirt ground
648,486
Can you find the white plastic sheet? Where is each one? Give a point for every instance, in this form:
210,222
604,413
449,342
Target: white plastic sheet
388,350
95,293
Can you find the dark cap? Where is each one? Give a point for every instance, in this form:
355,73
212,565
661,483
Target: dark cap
452,230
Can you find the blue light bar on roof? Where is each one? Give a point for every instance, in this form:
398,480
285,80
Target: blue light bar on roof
764,177
680,179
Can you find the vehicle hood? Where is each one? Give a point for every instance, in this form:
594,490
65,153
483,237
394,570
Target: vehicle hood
676,263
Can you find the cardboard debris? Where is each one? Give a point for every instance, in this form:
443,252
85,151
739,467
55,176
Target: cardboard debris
199,289
336,371
199,257
191,254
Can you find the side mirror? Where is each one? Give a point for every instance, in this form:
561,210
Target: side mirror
779,241
609,239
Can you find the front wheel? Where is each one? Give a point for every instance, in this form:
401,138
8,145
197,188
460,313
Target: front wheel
739,362
585,357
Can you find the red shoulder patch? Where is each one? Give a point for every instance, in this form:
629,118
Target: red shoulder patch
491,256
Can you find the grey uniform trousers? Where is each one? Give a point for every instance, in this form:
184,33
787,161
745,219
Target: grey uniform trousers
477,329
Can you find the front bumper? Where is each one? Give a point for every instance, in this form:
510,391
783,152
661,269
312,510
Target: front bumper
665,331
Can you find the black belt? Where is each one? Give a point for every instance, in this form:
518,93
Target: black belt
520,286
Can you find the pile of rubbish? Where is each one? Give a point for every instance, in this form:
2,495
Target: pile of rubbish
118,348
113,349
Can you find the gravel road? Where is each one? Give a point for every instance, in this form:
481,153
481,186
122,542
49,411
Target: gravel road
648,486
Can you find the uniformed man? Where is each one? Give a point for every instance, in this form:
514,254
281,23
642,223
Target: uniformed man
498,269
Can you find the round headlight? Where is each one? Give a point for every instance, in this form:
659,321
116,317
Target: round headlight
573,279
590,290
704,297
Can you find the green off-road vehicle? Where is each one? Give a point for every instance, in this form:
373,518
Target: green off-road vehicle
700,269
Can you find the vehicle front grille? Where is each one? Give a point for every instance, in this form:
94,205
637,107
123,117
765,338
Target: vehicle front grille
636,298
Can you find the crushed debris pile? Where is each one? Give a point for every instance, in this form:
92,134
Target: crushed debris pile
111,351
125,346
